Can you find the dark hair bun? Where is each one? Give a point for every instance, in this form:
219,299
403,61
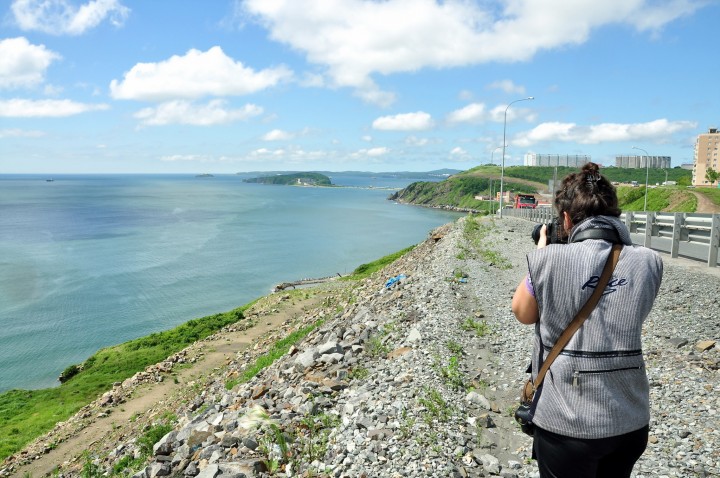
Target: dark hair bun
591,168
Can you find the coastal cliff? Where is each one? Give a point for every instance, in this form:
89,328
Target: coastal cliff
414,371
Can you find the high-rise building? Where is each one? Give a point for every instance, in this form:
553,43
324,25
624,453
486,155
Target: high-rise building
572,160
637,162
707,148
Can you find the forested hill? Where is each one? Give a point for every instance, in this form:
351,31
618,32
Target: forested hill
294,179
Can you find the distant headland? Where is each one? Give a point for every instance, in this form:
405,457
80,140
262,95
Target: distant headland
294,179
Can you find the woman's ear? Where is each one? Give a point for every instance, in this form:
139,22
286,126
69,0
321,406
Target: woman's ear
567,222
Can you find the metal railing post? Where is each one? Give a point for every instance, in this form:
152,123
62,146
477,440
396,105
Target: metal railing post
714,241
649,220
677,227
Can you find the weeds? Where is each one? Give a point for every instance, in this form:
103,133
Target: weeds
376,348
475,234
451,373
480,327
454,347
436,408
359,373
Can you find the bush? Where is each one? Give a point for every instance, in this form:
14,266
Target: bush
69,373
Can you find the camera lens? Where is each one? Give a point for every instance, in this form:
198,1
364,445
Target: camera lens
536,233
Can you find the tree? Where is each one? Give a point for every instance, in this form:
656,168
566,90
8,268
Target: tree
712,175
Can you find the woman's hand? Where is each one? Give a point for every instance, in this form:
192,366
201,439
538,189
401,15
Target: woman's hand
542,241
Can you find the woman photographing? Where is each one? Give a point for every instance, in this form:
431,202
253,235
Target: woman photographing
592,412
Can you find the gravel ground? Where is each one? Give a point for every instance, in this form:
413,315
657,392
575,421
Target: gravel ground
418,376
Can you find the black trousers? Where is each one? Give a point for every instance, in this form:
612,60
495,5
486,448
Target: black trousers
560,456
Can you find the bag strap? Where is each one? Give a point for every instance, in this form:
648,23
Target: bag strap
581,316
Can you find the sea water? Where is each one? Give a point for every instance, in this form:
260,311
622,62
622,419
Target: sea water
92,261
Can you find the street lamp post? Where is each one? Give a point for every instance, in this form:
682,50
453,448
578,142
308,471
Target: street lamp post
502,167
492,155
647,173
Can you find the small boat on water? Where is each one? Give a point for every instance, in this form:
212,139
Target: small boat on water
49,180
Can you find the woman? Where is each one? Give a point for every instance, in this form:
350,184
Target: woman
592,413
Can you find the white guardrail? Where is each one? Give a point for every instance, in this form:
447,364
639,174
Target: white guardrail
693,236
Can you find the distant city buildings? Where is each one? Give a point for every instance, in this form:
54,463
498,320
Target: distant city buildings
707,146
572,160
636,162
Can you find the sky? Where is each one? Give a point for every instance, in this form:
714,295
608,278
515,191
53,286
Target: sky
226,86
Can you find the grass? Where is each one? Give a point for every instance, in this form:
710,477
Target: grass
665,199
146,442
451,373
278,349
475,233
27,414
436,408
713,194
365,270
480,327
376,348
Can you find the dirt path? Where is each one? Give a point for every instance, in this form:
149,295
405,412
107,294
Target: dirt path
705,205
151,399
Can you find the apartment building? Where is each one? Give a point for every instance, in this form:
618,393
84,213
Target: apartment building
707,149
637,162
573,160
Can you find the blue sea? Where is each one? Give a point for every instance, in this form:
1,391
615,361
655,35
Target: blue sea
90,261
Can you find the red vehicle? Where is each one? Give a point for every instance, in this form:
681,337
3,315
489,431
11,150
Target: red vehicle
525,201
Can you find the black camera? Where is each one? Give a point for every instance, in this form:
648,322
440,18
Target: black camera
553,233
523,416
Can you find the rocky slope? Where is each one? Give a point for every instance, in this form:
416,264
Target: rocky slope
415,373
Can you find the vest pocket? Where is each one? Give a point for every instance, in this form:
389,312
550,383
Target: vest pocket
578,374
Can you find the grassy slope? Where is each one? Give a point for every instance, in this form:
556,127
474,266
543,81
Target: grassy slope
711,193
28,414
460,189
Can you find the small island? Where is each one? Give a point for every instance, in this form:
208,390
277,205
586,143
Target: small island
294,179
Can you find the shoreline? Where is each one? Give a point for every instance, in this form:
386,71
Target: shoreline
416,322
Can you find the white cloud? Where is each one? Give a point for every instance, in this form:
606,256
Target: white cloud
356,39
194,75
20,108
507,86
187,157
477,113
458,151
370,153
415,141
20,133
473,112
185,112
58,17
380,151
498,113
404,122
291,154
657,130
23,64
367,138
277,135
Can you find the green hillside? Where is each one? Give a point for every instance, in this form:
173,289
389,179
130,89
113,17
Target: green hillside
460,190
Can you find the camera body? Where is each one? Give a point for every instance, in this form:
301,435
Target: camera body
553,233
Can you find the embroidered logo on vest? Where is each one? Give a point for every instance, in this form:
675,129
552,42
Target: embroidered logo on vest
611,287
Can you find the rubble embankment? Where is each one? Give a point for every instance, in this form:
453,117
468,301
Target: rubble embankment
418,377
